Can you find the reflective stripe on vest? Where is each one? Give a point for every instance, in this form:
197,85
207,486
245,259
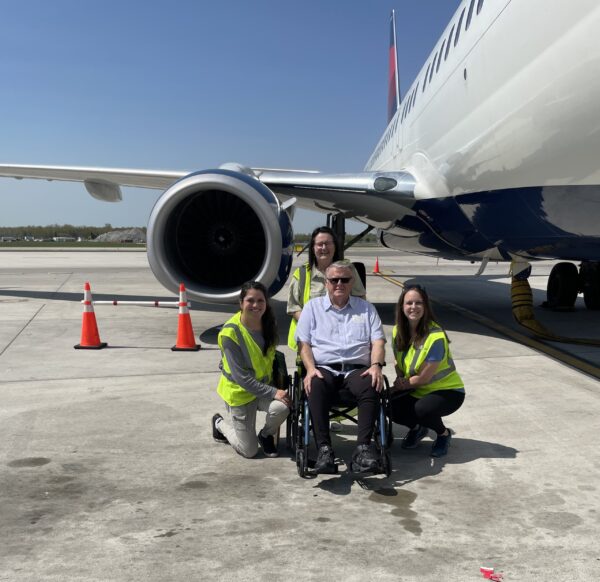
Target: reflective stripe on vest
261,364
446,376
302,274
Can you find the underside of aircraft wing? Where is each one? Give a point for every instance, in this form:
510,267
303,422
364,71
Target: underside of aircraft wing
101,183
369,196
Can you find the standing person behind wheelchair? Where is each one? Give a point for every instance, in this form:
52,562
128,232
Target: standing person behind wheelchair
425,366
308,281
342,345
248,341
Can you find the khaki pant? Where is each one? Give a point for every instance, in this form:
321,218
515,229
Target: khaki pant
239,424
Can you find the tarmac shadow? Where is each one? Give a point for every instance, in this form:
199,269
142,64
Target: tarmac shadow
411,465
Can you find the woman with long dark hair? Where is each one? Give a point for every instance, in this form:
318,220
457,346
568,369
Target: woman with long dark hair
428,386
308,281
248,341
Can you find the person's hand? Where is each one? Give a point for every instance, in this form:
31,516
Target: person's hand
315,372
283,396
376,374
401,383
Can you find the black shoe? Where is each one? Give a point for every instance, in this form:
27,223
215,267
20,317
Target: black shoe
268,445
413,436
440,446
365,459
218,436
325,461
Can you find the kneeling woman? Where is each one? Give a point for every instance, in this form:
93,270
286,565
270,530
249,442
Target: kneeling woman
425,367
247,342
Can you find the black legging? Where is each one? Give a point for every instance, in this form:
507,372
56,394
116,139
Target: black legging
322,394
428,410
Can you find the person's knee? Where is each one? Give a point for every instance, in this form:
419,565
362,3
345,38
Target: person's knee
279,409
247,450
366,391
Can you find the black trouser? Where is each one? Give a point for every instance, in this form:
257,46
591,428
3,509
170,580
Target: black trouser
428,410
322,396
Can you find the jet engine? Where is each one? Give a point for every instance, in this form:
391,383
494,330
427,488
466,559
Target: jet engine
216,229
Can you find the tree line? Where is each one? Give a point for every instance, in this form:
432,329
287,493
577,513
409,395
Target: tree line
55,230
91,232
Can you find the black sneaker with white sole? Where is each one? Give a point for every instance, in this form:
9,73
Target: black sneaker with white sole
218,436
268,445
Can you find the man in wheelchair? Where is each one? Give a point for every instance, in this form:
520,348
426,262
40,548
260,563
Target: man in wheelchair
342,346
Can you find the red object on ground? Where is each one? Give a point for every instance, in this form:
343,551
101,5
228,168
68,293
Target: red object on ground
185,333
90,338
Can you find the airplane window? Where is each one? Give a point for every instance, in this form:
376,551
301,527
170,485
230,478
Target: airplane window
470,14
432,67
437,67
479,5
449,41
425,78
415,94
462,14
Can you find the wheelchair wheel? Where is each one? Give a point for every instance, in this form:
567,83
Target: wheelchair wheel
386,463
293,419
301,463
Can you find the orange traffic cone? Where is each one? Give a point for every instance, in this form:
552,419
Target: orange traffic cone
376,268
185,333
90,338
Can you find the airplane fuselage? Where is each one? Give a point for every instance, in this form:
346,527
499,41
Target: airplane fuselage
501,129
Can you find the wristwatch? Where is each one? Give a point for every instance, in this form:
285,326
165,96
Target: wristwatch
381,365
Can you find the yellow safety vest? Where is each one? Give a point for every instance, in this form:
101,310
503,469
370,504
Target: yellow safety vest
409,362
301,274
262,364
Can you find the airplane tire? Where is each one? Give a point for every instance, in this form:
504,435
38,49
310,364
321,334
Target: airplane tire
362,272
590,278
563,286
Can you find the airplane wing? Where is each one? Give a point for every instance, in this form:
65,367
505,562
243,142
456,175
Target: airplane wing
373,197
102,183
370,195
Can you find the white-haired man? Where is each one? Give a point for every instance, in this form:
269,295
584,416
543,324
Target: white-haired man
342,345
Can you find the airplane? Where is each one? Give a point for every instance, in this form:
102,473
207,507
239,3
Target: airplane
492,154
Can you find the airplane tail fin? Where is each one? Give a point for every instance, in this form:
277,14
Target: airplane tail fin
393,80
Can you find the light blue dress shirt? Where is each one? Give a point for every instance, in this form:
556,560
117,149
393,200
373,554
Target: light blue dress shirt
339,335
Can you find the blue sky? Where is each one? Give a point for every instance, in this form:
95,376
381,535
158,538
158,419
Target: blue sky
187,85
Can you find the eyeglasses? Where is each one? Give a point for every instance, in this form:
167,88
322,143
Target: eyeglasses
324,244
337,280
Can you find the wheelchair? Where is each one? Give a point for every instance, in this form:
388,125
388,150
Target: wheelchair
299,425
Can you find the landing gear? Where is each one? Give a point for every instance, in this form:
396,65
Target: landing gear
563,286
589,276
565,283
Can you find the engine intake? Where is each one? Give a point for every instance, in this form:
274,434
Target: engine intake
216,229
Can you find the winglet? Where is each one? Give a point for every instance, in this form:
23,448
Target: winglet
393,80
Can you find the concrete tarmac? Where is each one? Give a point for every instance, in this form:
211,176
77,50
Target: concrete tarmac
108,471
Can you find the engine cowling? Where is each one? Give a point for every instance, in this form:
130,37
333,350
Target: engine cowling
216,229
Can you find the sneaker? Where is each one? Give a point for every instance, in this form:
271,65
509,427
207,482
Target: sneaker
335,426
268,445
414,436
440,446
218,436
365,459
325,461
